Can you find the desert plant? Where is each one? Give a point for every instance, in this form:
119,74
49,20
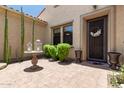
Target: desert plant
9,54
33,34
5,52
22,34
63,51
121,78
45,49
53,51
7,48
114,80
117,79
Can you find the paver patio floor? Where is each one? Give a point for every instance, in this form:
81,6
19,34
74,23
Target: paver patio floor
53,75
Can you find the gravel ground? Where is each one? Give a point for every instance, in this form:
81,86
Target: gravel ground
52,75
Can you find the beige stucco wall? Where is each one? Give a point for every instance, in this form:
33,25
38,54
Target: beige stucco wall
120,31
14,29
64,14
68,13
1,32
79,14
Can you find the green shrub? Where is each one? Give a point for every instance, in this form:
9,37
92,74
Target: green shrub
45,49
117,79
53,51
22,34
121,74
63,51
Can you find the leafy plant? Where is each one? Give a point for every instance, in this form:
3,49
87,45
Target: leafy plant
22,34
121,78
52,51
63,51
46,51
5,53
118,79
114,80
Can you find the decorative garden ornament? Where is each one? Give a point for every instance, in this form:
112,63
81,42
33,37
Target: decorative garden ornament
38,45
29,46
96,34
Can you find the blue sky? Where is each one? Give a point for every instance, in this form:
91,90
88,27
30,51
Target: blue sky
33,10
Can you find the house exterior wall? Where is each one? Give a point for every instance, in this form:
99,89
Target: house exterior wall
61,15
120,31
68,13
79,14
64,14
14,30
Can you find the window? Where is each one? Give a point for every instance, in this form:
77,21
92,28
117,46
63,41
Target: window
63,33
56,36
67,34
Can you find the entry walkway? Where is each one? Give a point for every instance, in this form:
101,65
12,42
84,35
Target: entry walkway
53,75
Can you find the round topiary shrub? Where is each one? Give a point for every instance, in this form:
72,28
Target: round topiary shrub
53,52
45,49
63,51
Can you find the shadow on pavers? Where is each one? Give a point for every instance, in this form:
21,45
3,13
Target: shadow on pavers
33,68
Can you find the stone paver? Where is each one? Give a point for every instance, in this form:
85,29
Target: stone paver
53,75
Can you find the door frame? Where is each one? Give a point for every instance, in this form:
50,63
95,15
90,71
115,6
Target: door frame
104,38
111,42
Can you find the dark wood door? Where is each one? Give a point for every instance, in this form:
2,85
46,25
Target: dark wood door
97,39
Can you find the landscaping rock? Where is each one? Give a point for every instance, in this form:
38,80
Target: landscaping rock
2,65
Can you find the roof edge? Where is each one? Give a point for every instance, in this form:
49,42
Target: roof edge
41,12
18,12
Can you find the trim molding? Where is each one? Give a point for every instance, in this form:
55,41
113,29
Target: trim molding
110,11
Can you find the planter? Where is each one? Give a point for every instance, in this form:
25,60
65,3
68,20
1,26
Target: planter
78,54
114,59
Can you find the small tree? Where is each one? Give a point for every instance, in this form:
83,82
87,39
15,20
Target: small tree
7,49
6,38
33,34
22,34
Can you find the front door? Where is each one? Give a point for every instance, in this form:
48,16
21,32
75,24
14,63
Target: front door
97,39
